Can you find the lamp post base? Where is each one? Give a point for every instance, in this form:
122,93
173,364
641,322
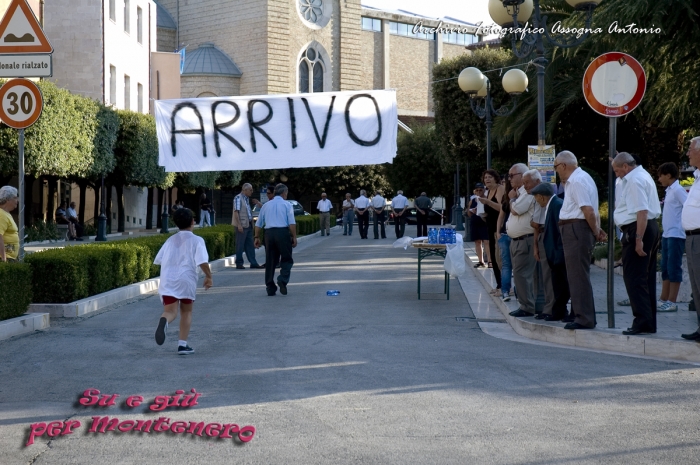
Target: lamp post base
165,218
101,228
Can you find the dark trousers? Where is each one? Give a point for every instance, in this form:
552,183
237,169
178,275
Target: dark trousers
379,219
399,224
78,227
422,222
278,242
578,241
244,243
493,240
560,285
639,274
363,224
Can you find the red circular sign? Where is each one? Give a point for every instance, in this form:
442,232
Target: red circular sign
614,84
21,103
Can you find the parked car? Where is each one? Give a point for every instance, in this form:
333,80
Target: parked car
434,216
296,206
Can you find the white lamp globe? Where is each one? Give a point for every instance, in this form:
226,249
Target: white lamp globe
471,80
502,15
583,4
515,82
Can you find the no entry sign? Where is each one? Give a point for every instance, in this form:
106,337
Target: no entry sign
614,84
21,103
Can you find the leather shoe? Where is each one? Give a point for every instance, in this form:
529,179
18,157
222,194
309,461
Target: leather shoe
270,293
553,317
240,267
520,313
634,331
258,266
283,288
569,318
541,316
692,336
576,326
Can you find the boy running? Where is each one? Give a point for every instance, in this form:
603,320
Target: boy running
179,258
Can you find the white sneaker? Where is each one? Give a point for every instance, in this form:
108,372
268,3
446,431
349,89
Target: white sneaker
506,297
666,307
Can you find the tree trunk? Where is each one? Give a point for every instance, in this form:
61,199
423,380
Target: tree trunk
108,209
28,200
149,211
49,203
82,184
159,218
120,208
96,208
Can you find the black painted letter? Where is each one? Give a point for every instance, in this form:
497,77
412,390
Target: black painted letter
351,133
218,127
321,140
255,125
293,120
174,132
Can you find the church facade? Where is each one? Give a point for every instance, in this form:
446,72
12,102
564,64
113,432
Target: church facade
258,47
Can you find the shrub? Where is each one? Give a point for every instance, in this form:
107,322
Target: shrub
16,279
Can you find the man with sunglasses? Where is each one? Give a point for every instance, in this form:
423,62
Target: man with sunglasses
579,225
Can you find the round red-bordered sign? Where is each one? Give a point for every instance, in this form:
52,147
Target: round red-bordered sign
21,103
614,84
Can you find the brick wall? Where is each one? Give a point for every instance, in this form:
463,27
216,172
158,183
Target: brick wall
220,86
166,40
453,50
372,60
411,62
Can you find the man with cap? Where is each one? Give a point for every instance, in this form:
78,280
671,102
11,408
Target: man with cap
557,287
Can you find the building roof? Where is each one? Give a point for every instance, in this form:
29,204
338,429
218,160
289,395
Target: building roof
210,60
367,4
163,18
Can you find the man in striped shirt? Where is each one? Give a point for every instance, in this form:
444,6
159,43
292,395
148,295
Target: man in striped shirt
243,222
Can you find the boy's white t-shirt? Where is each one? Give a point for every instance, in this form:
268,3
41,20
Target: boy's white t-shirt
179,258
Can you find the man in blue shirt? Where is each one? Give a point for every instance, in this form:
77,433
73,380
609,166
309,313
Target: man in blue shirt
277,217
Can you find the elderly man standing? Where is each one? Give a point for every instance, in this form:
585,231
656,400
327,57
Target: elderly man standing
243,222
277,216
398,206
579,225
636,209
423,205
521,232
378,205
362,204
551,253
690,220
543,275
348,215
324,207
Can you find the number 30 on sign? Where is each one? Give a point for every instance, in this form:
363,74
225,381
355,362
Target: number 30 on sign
21,103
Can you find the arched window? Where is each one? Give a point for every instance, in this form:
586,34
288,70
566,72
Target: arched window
311,71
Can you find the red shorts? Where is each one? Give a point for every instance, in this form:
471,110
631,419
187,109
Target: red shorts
167,300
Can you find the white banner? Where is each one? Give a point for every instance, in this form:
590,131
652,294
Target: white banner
277,131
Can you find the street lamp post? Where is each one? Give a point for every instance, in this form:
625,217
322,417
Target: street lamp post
514,13
102,220
478,87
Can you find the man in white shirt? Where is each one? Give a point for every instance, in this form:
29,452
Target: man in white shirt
378,205
348,215
673,238
579,225
690,221
324,208
399,206
519,229
72,216
636,209
362,204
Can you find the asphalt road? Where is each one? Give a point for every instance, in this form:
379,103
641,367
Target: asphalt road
372,376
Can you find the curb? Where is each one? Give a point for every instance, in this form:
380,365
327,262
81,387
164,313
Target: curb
97,302
27,323
609,340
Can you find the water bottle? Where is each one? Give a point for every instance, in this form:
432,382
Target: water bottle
442,238
453,236
332,293
432,236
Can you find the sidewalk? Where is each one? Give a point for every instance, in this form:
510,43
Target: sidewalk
666,343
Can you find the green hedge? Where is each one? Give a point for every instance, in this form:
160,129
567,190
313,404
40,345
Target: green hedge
16,295
74,273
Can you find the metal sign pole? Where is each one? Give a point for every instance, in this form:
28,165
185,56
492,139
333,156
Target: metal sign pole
611,226
20,176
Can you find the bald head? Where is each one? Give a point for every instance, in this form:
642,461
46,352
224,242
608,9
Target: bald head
565,163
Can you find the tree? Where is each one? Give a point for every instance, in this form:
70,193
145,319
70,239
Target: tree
417,166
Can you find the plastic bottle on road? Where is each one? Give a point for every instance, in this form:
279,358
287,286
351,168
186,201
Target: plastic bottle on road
332,293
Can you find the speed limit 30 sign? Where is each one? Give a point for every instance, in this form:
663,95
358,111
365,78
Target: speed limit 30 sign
21,103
